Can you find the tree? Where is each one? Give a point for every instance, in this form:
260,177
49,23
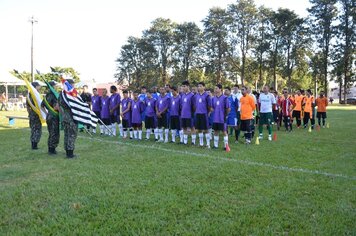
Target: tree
215,42
345,47
137,63
62,70
322,14
187,39
161,36
242,21
262,42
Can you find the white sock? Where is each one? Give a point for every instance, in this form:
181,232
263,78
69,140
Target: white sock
131,134
135,134
140,134
226,140
201,139
207,137
174,132
156,131
125,134
181,134
148,133
185,138
160,134
166,131
194,137
121,130
216,141
101,129
94,130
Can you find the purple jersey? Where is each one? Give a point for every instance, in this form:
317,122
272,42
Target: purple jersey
175,106
105,111
137,107
220,104
125,103
187,104
96,103
163,103
202,103
150,107
114,100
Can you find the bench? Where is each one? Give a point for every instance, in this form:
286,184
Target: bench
12,119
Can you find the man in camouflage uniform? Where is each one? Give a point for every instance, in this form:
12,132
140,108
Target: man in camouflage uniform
69,125
52,121
35,122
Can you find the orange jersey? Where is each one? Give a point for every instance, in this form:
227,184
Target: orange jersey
247,106
298,100
321,103
309,104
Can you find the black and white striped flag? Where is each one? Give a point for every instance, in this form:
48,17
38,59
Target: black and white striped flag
80,110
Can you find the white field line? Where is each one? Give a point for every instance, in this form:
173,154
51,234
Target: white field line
246,162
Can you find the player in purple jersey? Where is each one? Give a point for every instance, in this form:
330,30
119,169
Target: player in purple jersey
137,108
96,106
126,114
175,113
202,107
114,106
187,111
104,112
221,107
150,115
162,106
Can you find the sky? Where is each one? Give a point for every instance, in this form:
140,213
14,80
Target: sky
87,35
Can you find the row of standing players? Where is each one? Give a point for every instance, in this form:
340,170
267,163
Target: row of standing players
186,112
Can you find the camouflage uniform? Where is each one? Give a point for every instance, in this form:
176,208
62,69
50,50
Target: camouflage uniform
35,125
69,125
52,124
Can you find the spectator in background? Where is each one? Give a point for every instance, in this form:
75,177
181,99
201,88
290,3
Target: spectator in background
3,102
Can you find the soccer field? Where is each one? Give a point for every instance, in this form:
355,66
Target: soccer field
302,184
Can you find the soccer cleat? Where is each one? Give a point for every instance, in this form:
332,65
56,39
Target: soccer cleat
236,141
260,137
208,147
248,142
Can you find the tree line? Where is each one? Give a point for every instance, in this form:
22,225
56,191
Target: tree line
248,45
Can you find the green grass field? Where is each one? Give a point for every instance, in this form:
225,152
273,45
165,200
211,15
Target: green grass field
302,184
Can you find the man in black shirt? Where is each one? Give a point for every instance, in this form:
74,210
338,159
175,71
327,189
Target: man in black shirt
86,97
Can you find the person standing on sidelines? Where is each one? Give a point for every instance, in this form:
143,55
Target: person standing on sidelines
137,108
69,125
126,114
286,104
162,106
321,103
96,105
202,108
35,122
232,121
105,113
266,102
297,110
175,110
114,106
247,105
150,116
221,107
308,109
187,107
52,121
